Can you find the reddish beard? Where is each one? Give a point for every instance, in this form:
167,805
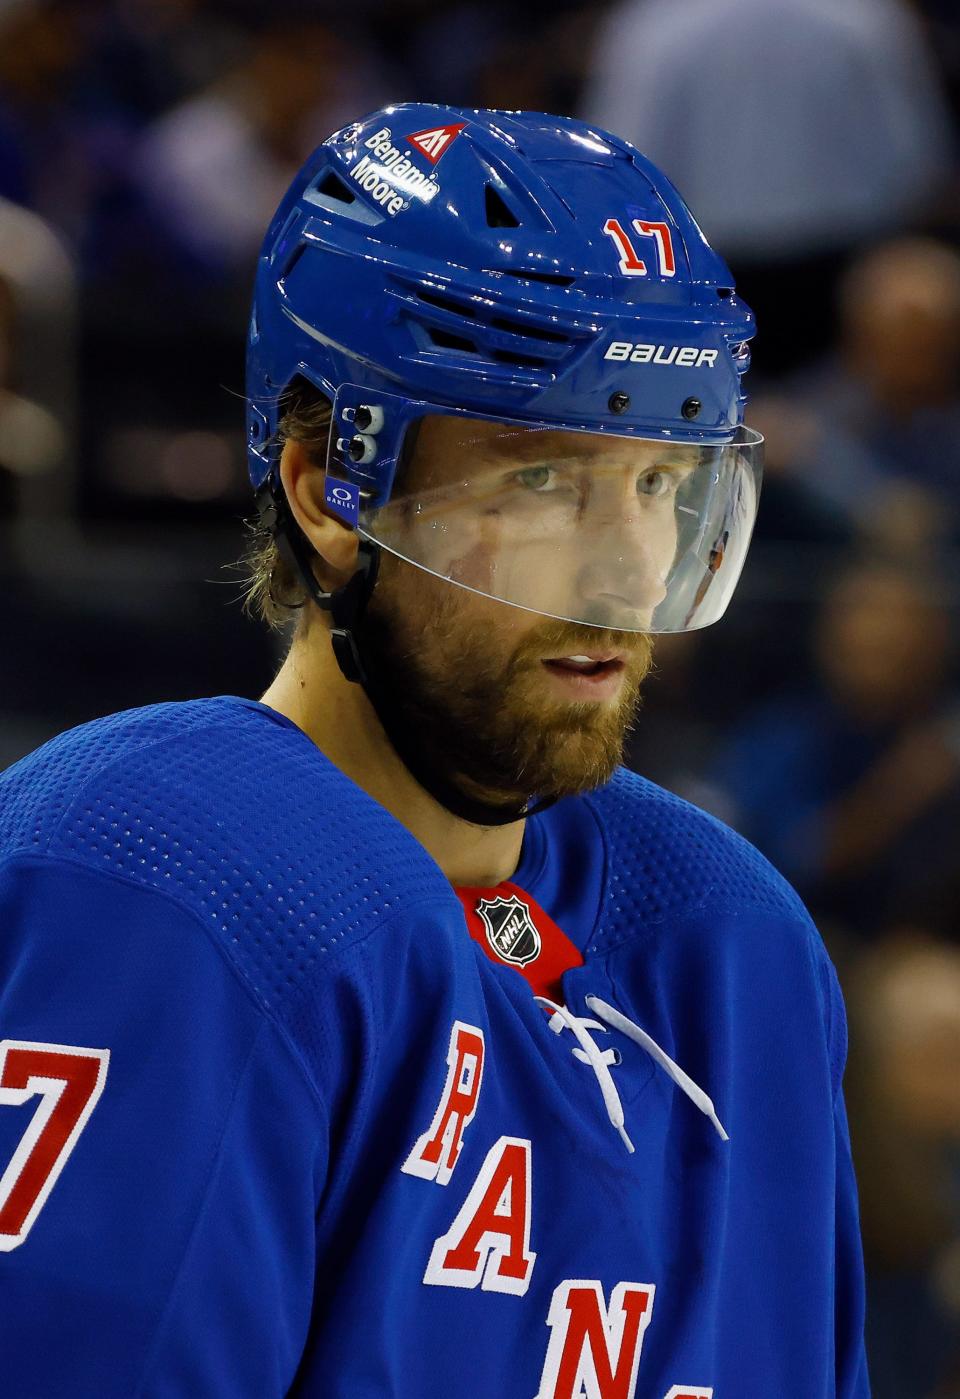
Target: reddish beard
488,714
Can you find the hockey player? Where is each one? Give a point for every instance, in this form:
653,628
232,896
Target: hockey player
382,1037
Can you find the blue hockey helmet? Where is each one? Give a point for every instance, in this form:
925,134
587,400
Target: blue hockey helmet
531,299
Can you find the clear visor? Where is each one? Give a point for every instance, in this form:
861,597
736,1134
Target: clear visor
630,533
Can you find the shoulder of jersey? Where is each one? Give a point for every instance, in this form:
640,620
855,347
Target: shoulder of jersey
230,810
667,858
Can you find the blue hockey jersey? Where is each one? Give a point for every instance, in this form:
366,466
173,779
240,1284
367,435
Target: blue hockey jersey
272,1122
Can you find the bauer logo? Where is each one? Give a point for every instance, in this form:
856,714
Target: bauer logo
435,140
389,176
511,931
683,356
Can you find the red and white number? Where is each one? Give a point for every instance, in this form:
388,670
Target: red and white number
68,1081
488,1244
437,1152
660,233
631,264
683,1391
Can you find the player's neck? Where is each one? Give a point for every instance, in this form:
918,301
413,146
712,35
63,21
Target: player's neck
310,691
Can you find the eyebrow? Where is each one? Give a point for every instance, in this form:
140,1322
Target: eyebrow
692,463
524,444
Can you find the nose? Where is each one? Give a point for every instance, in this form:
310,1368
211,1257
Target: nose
623,575
620,595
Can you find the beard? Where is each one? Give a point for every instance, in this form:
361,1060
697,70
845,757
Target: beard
482,713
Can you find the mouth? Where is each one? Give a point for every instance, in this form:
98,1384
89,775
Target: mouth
588,675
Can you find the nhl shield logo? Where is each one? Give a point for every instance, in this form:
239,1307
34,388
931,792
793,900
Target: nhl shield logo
511,931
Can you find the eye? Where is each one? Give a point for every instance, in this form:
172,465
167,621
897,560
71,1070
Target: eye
657,482
536,478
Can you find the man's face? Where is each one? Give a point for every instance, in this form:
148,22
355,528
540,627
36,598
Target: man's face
494,692
573,525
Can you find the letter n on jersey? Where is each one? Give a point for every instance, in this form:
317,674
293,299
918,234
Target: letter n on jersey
437,1151
593,1350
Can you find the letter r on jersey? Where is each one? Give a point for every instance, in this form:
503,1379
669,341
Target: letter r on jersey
437,1151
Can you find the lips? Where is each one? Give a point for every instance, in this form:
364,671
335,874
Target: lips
596,677
587,663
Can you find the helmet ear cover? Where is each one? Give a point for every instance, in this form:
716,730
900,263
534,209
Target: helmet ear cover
347,605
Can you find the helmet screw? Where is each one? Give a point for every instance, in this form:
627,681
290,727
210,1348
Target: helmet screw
365,418
361,449
691,408
619,402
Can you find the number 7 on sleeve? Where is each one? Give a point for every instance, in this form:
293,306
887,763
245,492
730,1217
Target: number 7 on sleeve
68,1081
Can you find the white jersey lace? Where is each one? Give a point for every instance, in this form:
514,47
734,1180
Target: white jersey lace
600,1060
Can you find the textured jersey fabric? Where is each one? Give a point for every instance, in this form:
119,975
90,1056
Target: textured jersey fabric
317,1142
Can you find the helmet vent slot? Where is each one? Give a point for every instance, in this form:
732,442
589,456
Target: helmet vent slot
334,188
472,326
446,340
724,292
444,303
535,333
552,279
499,214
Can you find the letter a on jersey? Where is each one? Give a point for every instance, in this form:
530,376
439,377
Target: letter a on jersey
488,1244
436,140
437,1151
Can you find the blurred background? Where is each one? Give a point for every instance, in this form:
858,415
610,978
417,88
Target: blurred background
143,147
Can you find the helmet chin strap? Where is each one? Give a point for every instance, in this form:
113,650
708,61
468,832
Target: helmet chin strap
347,607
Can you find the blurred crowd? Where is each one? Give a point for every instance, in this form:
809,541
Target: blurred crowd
143,147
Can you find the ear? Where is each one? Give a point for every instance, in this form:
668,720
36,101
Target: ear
334,541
